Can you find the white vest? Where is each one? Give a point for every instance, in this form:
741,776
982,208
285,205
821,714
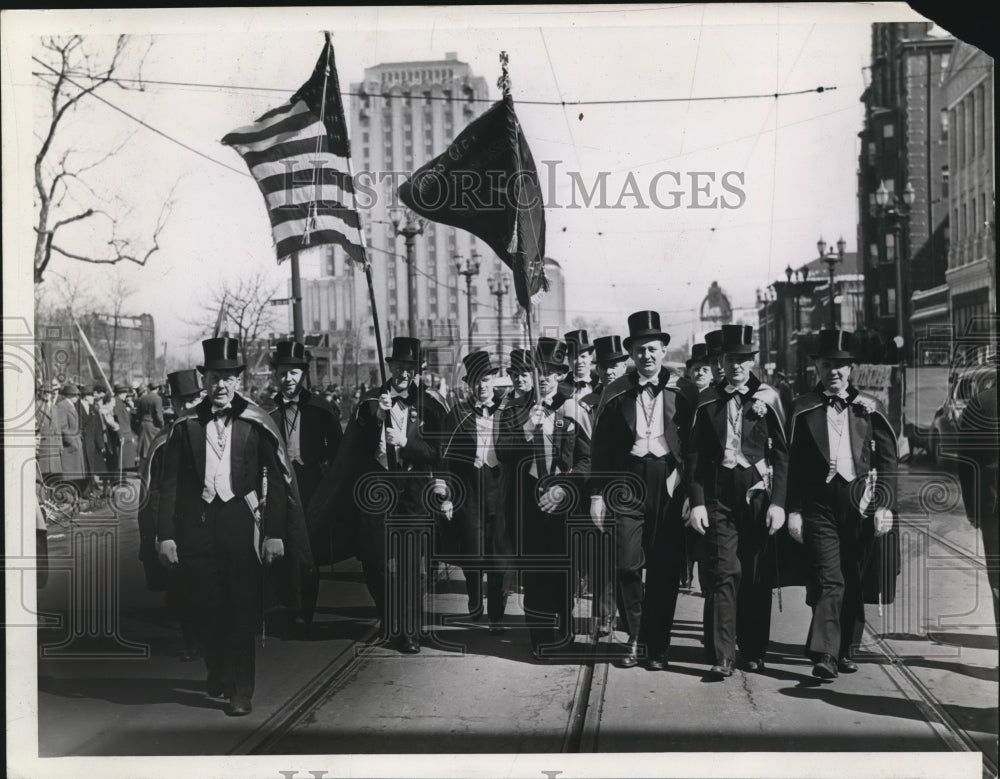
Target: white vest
218,480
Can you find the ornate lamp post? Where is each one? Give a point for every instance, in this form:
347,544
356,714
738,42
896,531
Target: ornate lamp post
893,210
468,267
412,226
831,261
499,286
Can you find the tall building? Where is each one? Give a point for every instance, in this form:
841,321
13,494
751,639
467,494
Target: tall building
404,114
971,274
904,145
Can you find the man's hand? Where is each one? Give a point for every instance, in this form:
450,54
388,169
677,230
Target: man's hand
168,553
447,509
552,499
385,402
698,520
395,437
274,549
597,510
795,525
775,519
883,521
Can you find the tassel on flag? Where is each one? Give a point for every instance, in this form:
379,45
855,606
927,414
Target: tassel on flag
299,155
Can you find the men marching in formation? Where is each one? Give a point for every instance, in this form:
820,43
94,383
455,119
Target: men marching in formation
230,490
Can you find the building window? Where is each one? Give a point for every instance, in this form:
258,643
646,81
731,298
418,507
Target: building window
944,124
890,247
944,182
873,253
887,131
981,118
960,133
371,354
890,302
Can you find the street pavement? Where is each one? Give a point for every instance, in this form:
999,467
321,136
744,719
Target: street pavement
470,692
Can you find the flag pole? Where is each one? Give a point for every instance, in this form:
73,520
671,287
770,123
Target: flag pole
504,84
366,263
90,351
220,318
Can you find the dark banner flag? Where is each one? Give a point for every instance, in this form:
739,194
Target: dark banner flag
486,183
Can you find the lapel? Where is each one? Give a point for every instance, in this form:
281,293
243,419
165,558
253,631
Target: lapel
237,445
196,439
628,407
719,414
816,422
669,409
859,428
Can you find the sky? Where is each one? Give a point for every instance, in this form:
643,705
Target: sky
784,167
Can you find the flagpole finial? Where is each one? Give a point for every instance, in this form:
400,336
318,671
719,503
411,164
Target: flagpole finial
504,81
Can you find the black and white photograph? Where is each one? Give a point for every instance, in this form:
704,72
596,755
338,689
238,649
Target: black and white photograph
525,391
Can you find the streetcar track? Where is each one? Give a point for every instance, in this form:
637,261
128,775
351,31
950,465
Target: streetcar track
951,733
961,551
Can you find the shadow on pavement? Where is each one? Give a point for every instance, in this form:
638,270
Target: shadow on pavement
137,692
969,640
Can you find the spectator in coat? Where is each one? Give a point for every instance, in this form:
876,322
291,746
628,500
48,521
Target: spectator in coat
92,433
149,414
72,465
49,442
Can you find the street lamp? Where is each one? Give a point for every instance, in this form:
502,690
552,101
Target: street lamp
468,267
894,211
499,286
831,261
412,226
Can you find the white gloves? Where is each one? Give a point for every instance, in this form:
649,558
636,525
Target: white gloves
597,510
795,526
698,520
775,519
168,553
552,499
274,549
883,521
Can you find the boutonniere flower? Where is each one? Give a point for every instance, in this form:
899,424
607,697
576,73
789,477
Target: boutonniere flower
413,415
865,406
758,408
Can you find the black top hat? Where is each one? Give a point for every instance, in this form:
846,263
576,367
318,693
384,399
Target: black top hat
552,353
184,384
578,343
477,365
713,340
737,339
608,348
289,353
120,388
405,350
645,324
69,389
520,361
221,354
835,345
86,389
699,353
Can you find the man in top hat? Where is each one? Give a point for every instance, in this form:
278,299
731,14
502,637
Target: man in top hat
841,499
477,527
228,505
611,360
580,380
390,445
539,440
522,379
713,341
310,429
637,436
149,414
185,391
738,475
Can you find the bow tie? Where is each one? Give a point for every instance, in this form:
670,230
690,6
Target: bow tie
222,413
484,409
838,402
582,384
733,390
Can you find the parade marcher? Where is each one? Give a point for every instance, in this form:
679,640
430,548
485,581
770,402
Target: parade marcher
737,464
92,434
477,528
978,450
185,391
713,340
841,501
72,462
310,429
228,506
125,450
149,415
521,378
394,431
698,377
581,360
612,361
540,438
638,435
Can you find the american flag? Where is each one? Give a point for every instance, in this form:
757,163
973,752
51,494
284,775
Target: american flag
299,155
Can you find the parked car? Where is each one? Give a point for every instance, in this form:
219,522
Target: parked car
963,384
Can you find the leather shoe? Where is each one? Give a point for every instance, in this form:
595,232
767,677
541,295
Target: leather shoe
409,646
723,669
496,629
846,665
631,657
657,662
825,667
754,665
239,706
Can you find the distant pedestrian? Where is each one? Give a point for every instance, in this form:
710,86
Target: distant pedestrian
72,462
125,450
149,411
